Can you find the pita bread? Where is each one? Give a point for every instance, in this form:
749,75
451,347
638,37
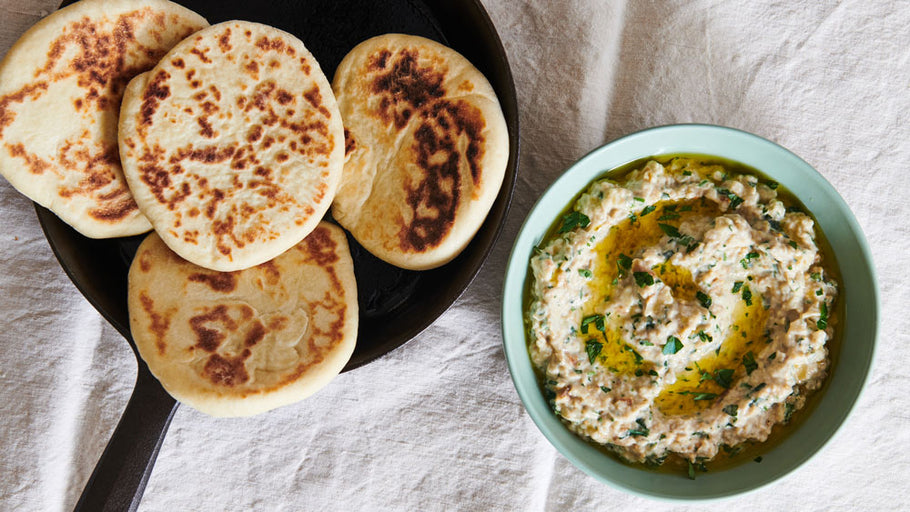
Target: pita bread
60,90
426,149
232,145
241,343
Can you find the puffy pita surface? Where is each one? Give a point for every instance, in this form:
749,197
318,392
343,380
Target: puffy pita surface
233,145
426,149
60,90
240,343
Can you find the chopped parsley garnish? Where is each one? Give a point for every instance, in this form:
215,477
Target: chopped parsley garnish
691,470
643,279
647,209
736,286
734,199
605,389
623,264
702,335
668,216
772,185
815,276
585,272
642,431
822,322
703,299
670,230
593,349
596,319
731,409
746,262
574,220
672,346
723,377
749,362
747,295
793,244
639,199
699,396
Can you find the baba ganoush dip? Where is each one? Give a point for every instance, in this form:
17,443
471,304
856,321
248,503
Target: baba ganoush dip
684,310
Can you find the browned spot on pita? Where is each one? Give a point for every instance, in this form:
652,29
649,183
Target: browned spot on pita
36,164
254,134
224,41
30,91
379,61
112,212
284,97
178,63
206,129
159,182
314,97
201,55
155,91
144,264
320,247
256,333
227,371
210,339
223,282
208,154
406,87
278,323
159,323
435,199
252,69
265,44
349,143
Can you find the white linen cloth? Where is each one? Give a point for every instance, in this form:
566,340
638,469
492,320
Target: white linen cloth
437,424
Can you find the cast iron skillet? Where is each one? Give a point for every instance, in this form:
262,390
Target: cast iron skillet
395,304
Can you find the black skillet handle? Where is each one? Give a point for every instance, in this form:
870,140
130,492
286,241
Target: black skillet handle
119,478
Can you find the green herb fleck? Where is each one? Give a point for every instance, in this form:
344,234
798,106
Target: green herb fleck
736,286
623,264
731,409
647,209
593,349
585,272
605,389
702,335
703,299
672,346
747,295
746,262
723,377
574,220
822,322
749,362
643,279
596,319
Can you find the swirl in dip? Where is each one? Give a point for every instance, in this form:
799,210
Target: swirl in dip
684,310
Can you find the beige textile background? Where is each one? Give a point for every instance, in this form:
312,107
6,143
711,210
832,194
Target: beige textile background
436,424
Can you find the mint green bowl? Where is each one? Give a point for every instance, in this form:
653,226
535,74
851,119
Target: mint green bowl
860,325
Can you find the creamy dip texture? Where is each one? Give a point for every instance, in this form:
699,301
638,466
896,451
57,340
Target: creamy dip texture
682,311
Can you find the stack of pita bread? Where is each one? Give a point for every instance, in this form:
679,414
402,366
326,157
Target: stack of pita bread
123,116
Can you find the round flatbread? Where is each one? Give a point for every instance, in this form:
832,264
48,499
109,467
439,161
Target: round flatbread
232,145
60,90
241,343
426,149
